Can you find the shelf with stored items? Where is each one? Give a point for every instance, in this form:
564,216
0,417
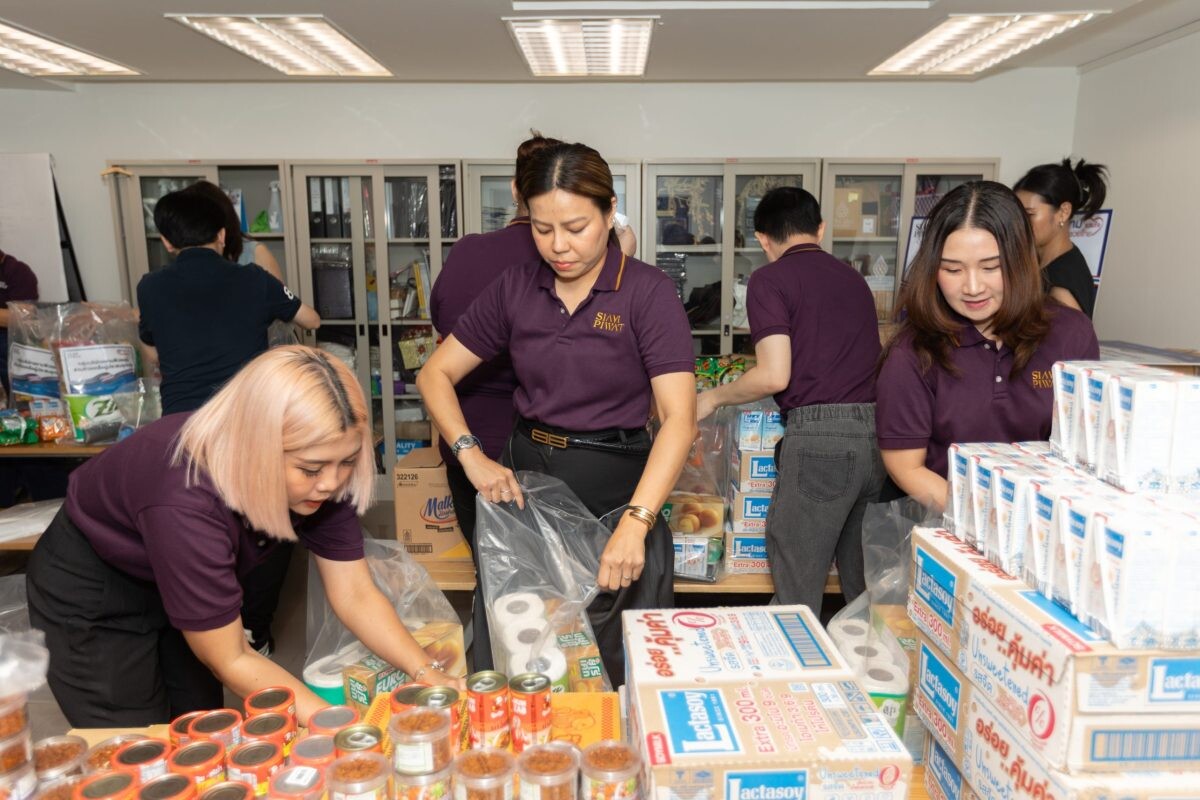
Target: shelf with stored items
259,190
395,222
869,206
698,221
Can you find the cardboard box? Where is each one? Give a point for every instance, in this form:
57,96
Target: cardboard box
746,554
847,211
785,740
697,557
943,781
748,511
425,518
997,762
1070,690
685,647
753,470
695,514
371,676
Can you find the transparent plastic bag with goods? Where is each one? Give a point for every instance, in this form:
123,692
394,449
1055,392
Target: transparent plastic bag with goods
33,377
138,408
14,607
538,568
419,603
24,661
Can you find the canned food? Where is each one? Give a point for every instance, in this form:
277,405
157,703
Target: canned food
443,697
19,783
421,741
484,774
434,786
529,705
178,733
223,725
253,763
107,786
297,783
487,710
203,763
271,727
58,757
16,751
359,776
405,697
145,759
610,771
61,789
99,758
328,721
358,739
13,715
168,787
275,700
549,771
228,790
313,751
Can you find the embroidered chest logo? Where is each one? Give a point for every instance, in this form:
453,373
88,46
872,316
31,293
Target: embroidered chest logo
1042,379
608,322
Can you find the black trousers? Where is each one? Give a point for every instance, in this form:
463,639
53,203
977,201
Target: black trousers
115,659
462,493
605,481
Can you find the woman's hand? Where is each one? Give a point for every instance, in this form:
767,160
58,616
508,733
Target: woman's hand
436,677
624,557
494,482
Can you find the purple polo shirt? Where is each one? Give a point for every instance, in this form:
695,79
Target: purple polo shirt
141,518
474,262
826,308
590,370
936,409
17,281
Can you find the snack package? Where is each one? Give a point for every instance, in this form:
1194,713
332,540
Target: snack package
16,429
33,376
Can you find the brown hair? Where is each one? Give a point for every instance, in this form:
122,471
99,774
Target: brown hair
234,240
574,168
526,150
1021,322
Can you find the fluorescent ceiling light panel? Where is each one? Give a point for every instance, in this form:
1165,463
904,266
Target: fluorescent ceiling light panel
305,45
967,44
30,54
718,5
583,47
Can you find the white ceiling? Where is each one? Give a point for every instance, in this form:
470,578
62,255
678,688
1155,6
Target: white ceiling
465,40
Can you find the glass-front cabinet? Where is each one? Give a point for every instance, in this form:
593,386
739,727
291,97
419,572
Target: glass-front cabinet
870,207
489,203
699,229
375,240
259,192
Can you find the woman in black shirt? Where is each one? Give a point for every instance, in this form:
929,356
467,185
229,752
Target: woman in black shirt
1052,194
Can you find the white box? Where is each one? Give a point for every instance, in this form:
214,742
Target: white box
960,514
753,470
748,511
1140,412
1185,448
746,554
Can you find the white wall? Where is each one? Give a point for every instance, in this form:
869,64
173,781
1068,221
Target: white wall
1141,117
1024,117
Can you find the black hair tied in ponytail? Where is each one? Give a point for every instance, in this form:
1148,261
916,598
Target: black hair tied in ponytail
1084,185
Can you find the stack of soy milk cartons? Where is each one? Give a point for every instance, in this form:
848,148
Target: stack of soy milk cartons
753,704
755,432
1059,615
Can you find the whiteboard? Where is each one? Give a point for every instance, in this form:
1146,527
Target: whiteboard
29,220
1090,237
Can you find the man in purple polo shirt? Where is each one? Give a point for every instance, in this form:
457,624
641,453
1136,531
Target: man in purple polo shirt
813,323
17,283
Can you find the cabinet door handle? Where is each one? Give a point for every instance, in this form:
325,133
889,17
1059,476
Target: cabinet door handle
386,331
362,330
725,330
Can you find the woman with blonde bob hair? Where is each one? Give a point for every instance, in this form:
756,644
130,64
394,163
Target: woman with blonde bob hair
137,580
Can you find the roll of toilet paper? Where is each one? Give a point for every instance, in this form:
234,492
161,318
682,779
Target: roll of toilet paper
847,633
549,662
522,636
513,609
888,687
870,655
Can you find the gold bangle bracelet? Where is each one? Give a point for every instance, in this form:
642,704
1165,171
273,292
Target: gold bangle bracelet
643,514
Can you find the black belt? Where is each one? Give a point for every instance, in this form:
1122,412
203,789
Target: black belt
632,441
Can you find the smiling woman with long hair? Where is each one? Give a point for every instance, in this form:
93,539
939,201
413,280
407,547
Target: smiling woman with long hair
138,580
972,358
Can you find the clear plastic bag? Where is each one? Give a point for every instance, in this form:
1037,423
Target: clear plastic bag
418,601
538,568
14,607
32,373
138,408
24,661
26,519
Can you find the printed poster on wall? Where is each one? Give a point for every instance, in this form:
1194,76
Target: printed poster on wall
1090,237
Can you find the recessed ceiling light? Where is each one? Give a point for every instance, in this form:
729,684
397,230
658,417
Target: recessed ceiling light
306,45
719,5
969,43
31,54
583,46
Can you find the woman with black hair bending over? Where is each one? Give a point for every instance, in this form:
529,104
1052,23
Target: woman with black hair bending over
1052,194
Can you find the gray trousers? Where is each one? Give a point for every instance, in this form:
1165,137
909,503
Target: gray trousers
829,471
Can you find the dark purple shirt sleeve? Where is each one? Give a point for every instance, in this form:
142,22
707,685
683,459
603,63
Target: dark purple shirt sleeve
334,533
664,337
485,328
904,403
21,282
766,307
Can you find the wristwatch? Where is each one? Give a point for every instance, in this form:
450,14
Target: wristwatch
463,442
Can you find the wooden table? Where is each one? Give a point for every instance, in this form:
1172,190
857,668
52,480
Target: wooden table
459,576
52,450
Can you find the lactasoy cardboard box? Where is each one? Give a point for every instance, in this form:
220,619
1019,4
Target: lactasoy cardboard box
753,704
1074,698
